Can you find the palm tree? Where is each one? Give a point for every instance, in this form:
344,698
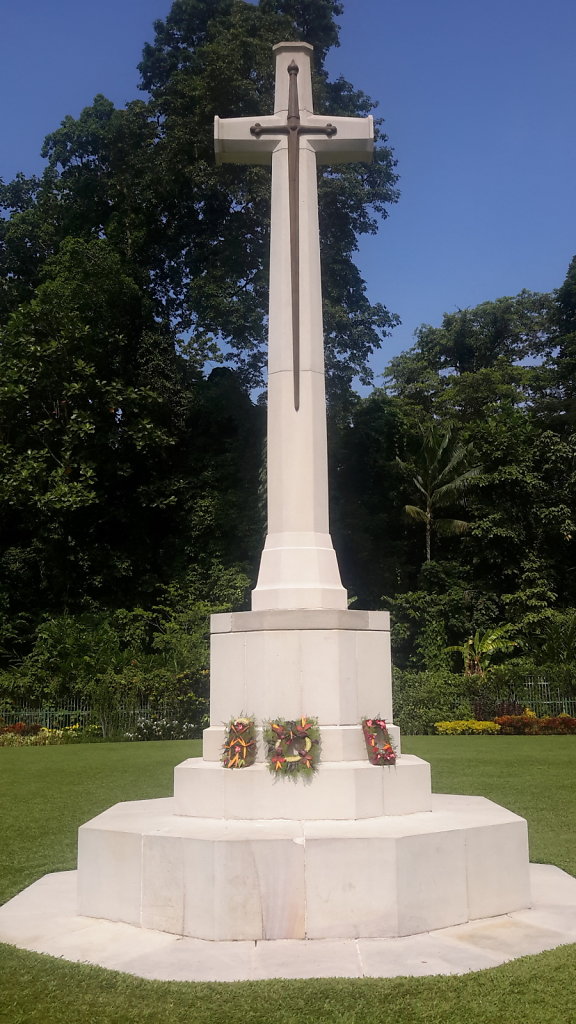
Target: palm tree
478,650
442,473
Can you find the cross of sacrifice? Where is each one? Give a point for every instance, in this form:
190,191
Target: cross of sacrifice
298,567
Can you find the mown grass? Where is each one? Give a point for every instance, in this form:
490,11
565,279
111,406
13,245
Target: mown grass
535,776
46,792
534,990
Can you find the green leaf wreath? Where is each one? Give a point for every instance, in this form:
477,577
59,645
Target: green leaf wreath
239,750
292,747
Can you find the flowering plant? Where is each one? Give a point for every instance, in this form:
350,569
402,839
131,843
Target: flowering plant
239,750
377,739
293,747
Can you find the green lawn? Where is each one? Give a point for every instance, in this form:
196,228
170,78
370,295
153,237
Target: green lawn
46,792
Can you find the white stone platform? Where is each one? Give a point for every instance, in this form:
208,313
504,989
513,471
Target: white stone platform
43,918
340,790
358,851
223,879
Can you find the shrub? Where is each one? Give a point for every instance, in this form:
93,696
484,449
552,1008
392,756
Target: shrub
41,737
470,727
162,729
558,725
22,729
423,698
487,707
528,724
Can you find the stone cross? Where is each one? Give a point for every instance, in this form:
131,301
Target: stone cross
298,567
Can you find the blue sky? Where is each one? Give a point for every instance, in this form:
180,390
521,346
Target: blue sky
478,100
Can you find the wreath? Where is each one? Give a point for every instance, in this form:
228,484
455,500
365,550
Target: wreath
377,739
293,747
239,750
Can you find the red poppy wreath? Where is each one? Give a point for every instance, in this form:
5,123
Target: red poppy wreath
378,744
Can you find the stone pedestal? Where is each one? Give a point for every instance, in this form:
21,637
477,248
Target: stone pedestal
357,851
222,879
332,665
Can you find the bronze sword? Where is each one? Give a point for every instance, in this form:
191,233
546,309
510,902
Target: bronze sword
293,129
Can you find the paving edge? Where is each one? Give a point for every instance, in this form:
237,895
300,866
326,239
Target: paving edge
43,919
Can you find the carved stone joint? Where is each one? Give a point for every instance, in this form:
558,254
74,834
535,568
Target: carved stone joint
329,130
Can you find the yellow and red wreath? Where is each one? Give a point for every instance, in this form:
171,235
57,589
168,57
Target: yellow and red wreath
292,746
239,750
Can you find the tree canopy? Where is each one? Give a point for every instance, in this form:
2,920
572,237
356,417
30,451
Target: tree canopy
133,298
129,267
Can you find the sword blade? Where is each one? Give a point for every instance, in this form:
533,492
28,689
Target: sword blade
294,197
293,120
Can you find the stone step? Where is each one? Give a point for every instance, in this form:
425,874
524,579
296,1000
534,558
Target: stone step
218,879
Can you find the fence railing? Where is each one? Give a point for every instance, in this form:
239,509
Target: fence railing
545,699
68,713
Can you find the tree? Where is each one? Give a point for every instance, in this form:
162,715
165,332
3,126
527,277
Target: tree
119,464
441,473
478,650
126,267
495,373
560,380
194,235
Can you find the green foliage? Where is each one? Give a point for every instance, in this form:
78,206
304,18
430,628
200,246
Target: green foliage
127,266
478,650
12,736
423,698
472,727
446,605
557,639
115,660
196,236
440,472
185,727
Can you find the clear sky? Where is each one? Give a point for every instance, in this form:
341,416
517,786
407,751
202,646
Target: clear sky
479,102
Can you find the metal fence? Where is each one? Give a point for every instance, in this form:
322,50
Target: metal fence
71,712
545,699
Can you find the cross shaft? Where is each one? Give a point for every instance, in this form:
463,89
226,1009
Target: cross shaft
298,568
293,129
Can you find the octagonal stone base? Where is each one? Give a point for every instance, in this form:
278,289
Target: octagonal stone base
269,879
328,664
339,790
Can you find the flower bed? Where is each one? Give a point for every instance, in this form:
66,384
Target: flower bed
22,735
529,724
526,724
470,727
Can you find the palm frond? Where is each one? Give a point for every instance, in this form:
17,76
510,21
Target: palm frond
451,527
416,513
443,495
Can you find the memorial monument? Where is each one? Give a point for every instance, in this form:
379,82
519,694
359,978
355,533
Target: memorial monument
358,849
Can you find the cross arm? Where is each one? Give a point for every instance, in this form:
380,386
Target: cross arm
351,142
234,142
